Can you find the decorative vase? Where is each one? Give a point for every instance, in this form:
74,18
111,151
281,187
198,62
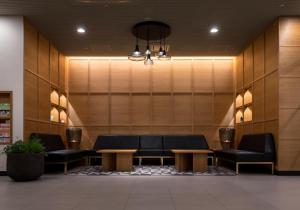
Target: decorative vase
25,167
74,137
227,137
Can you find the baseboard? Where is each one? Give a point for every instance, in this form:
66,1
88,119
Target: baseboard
287,173
3,173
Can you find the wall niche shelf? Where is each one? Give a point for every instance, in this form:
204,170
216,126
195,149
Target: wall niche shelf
248,114
243,105
6,117
58,111
63,116
248,97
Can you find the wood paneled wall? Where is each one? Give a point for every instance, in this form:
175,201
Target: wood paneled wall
270,67
44,69
257,70
289,94
181,96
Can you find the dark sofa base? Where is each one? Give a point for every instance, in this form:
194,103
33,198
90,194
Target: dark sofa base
65,163
237,164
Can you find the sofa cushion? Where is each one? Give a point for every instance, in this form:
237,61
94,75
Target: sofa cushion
257,143
185,142
65,155
151,142
117,142
243,156
51,142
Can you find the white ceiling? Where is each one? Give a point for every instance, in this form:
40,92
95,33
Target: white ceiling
108,23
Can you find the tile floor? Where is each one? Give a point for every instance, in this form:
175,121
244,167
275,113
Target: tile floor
243,192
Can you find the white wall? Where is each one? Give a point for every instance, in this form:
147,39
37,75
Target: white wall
11,71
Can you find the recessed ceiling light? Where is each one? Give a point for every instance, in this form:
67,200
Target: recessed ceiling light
80,30
214,30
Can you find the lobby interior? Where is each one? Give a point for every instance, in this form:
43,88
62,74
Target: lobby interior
151,104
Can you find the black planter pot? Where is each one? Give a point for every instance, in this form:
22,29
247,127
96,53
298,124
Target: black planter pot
25,167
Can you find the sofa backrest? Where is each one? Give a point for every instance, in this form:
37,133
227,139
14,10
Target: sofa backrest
117,142
51,142
263,143
151,142
185,142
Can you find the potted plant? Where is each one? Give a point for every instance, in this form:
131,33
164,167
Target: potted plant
25,161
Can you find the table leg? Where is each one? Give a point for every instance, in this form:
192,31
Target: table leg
124,162
183,162
108,162
199,162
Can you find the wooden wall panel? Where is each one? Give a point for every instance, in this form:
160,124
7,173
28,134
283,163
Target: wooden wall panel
258,127
161,72
258,102
248,65
44,100
99,76
289,93
203,109
140,77
43,57
203,76
120,130
54,73
271,47
141,130
30,96
271,96
37,84
78,76
44,127
181,130
239,71
162,109
77,110
120,110
120,74
289,123
98,110
183,110
172,97
223,109
289,62
62,72
182,76
223,76
30,47
289,155
259,57
289,31
30,127
141,110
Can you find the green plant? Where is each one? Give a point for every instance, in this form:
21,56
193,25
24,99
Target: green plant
32,146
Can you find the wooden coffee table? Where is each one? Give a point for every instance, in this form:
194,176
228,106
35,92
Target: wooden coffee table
191,160
117,159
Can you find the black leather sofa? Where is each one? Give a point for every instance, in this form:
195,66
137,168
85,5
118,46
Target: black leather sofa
253,149
149,146
57,152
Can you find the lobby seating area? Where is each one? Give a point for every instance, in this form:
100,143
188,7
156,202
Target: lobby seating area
149,105
253,149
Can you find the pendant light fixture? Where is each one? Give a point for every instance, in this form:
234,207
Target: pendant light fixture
150,31
136,54
164,56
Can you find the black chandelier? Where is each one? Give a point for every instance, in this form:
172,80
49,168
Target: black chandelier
150,31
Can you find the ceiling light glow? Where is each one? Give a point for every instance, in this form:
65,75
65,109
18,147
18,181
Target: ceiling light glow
80,30
214,30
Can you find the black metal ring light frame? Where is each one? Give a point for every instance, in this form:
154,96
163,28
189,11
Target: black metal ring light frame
151,30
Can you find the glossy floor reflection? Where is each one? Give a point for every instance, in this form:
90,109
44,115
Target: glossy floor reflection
244,192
